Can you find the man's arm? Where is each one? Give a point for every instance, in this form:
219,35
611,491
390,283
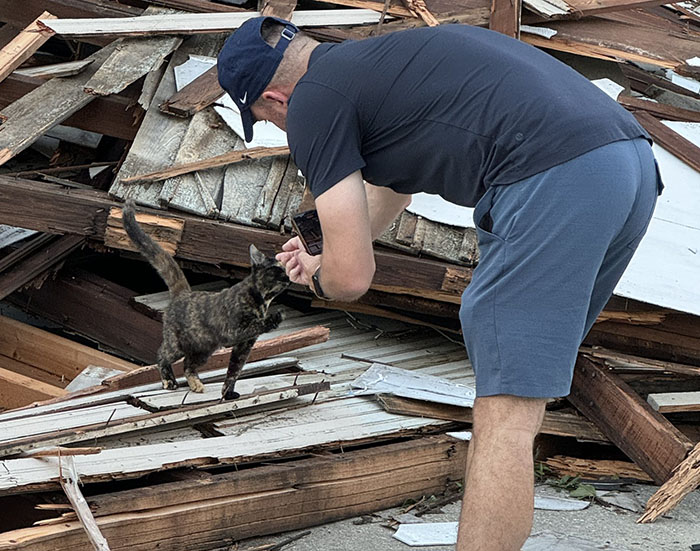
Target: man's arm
384,206
349,223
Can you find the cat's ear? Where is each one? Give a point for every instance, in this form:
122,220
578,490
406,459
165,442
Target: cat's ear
256,257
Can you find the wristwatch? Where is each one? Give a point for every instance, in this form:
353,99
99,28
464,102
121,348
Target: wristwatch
316,285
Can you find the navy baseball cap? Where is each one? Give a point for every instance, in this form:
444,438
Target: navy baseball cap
246,64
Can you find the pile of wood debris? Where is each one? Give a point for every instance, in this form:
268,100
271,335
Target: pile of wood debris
344,410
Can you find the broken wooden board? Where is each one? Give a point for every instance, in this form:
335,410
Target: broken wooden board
554,423
160,136
670,140
193,23
660,110
115,116
643,434
132,59
575,9
50,104
670,402
75,299
195,96
685,479
23,46
232,157
136,421
39,262
67,69
50,352
260,501
167,232
596,468
18,390
626,35
505,17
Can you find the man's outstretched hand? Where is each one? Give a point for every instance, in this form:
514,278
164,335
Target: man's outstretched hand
298,264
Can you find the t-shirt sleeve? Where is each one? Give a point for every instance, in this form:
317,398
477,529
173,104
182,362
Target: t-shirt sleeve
323,131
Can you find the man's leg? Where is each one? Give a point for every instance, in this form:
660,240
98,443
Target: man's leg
498,497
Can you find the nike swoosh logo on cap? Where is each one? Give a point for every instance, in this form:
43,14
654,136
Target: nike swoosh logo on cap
245,96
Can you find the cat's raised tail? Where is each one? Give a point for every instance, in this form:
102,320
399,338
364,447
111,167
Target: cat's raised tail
164,264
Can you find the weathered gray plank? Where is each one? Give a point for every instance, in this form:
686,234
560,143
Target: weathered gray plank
28,118
160,137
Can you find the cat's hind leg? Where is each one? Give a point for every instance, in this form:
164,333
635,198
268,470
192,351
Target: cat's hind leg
239,355
168,353
192,362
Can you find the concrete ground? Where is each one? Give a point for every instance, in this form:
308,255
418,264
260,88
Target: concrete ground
597,527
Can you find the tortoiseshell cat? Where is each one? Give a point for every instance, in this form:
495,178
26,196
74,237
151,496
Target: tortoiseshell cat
196,323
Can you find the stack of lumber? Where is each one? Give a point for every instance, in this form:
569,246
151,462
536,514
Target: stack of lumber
104,100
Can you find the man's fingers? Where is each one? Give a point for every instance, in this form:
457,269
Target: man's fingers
293,244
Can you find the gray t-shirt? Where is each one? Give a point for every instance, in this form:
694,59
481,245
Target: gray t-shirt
448,110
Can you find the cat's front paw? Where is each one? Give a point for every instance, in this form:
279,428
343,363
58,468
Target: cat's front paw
169,384
195,384
273,320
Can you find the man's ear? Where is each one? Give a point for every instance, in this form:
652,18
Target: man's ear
275,96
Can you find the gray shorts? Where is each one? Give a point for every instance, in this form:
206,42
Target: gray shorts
553,247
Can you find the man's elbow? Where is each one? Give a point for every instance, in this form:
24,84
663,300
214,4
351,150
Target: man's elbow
355,287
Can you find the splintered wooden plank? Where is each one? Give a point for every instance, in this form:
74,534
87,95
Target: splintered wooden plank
647,438
195,96
279,8
50,352
67,69
135,423
596,468
684,149
254,502
133,58
505,17
166,231
50,104
668,402
419,9
225,159
196,23
685,479
38,263
23,46
660,110
18,390
159,138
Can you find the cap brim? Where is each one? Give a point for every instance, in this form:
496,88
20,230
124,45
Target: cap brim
248,122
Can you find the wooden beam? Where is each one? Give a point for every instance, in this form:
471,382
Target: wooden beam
647,438
97,309
195,96
115,115
660,110
152,25
18,390
596,468
219,360
676,144
420,10
39,262
84,212
23,46
213,162
685,479
505,17
261,501
279,8
54,70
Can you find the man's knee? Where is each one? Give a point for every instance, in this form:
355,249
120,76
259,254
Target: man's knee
508,413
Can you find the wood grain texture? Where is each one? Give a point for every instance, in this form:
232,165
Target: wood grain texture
668,402
647,438
505,17
260,501
684,149
23,46
195,96
18,390
659,110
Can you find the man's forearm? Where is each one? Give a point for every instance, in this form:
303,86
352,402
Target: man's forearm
384,206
